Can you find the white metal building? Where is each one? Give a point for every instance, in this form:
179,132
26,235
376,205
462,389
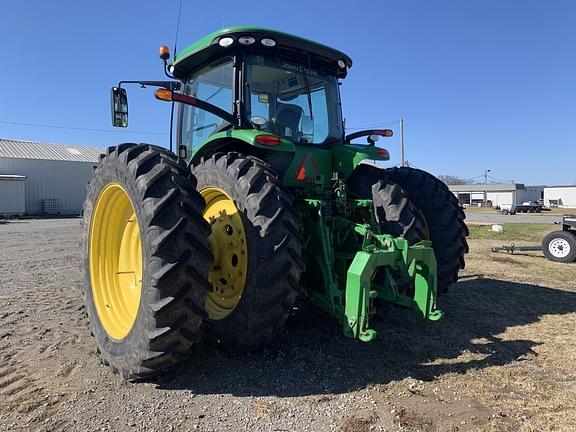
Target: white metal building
560,196
497,195
47,178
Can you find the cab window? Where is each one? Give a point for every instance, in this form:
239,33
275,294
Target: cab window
293,101
212,84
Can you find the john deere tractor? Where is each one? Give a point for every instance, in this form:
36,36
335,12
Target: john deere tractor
264,199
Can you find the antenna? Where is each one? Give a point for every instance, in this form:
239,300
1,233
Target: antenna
174,51
177,25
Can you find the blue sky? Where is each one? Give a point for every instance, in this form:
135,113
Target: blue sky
480,84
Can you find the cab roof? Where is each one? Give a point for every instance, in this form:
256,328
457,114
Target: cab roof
288,45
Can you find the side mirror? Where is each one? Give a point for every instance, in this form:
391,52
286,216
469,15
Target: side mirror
307,126
119,107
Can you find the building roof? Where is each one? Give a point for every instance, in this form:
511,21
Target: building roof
490,187
17,149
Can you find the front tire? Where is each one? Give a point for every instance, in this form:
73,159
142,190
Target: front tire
145,259
257,249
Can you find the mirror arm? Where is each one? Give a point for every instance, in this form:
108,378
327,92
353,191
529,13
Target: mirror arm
170,85
206,106
368,132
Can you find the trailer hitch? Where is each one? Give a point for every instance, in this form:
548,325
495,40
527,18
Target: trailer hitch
388,256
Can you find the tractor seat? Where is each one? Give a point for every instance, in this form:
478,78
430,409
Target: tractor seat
287,123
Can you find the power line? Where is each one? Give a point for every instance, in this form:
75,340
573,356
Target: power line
500,180
374,126
80,128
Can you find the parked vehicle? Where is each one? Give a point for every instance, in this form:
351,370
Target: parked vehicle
525,207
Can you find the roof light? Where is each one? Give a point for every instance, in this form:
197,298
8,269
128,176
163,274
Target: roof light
341,64
269,140
267,42
164,52
226,42
246,40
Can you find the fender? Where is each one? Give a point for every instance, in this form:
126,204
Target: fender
279,155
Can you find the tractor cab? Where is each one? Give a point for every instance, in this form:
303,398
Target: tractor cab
259,77
287,99
267,93
281,96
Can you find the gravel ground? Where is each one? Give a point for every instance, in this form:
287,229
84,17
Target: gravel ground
502,359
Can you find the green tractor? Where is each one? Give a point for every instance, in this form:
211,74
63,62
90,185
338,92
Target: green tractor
265,199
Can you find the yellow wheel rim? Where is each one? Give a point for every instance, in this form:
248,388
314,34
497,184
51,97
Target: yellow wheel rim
227,274
115,260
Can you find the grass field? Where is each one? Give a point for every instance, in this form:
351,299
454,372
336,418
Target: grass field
513,232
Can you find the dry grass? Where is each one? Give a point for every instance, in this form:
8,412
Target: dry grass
502,359
527,267
536,391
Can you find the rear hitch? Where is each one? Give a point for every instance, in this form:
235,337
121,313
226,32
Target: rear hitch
388,257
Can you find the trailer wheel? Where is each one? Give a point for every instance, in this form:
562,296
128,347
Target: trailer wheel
560,246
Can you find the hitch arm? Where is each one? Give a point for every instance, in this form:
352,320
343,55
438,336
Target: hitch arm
388,254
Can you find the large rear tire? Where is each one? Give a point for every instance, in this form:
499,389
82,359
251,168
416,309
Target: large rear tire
257,250
395,213
440,216
145,259
443,217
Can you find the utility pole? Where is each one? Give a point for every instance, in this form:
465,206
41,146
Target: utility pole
486,187
402,163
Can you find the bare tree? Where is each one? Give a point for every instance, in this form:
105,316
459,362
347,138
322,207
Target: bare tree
453,180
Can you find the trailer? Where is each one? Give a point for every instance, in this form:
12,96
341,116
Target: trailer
525,207
558,246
